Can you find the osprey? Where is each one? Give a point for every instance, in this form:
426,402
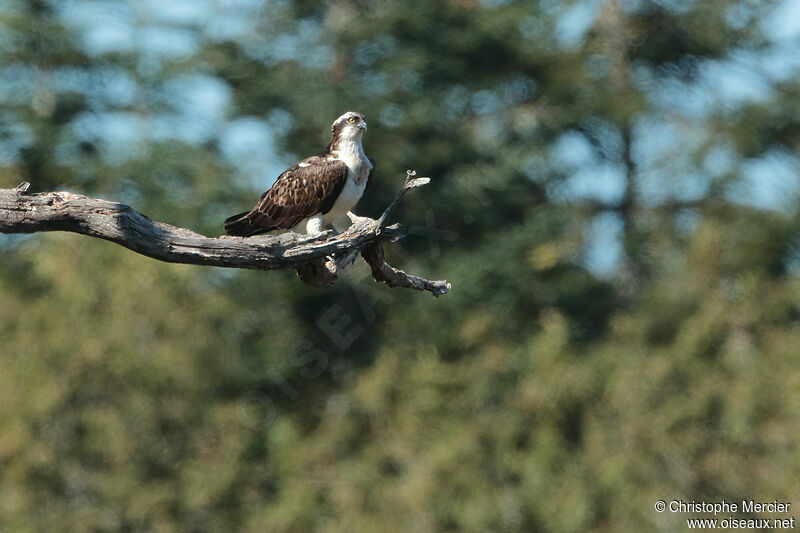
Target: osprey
317,190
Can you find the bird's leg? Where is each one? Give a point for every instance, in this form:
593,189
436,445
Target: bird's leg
314,226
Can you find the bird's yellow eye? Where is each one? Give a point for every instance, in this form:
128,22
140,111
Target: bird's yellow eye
351,120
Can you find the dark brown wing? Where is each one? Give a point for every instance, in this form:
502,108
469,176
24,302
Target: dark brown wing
298,193
369,177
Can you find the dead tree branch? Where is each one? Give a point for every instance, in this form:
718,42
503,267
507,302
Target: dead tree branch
317,260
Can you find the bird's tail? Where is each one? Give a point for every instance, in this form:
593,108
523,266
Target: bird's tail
239,225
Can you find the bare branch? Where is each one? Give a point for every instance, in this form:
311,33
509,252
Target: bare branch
317,260
411,183
393,277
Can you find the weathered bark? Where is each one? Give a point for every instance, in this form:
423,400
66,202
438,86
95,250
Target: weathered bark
317,260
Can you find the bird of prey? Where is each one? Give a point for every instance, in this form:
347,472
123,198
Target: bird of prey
317,190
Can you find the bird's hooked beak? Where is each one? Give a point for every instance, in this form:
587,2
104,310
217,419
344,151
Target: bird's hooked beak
363,125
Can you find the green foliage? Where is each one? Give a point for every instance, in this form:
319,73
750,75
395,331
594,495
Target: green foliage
539,395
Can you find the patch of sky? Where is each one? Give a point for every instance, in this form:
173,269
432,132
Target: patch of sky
779,62
17,84
603,244
366,53
9,242
200,103
739,15
642,76
575,22
485,102
315,53
109,37
117,127
71,80
108,27
200,97
129,192
298,41
518,90
102,85
174,126
149,67
177,11
604,181
680,184
320,58
120,134
572,150
166,42
691,100
495,3
248,143
630,6
588,176
225,26
606,136
743,77
552,8
719,160
768,182
309,29
280,119
105,26
654,138
117,86
536,167
14,136
280,48
234,20
9,38
733,83
663,151
783,23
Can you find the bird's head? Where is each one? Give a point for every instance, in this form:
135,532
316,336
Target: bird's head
349,127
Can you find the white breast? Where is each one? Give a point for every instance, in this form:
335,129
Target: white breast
358,169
